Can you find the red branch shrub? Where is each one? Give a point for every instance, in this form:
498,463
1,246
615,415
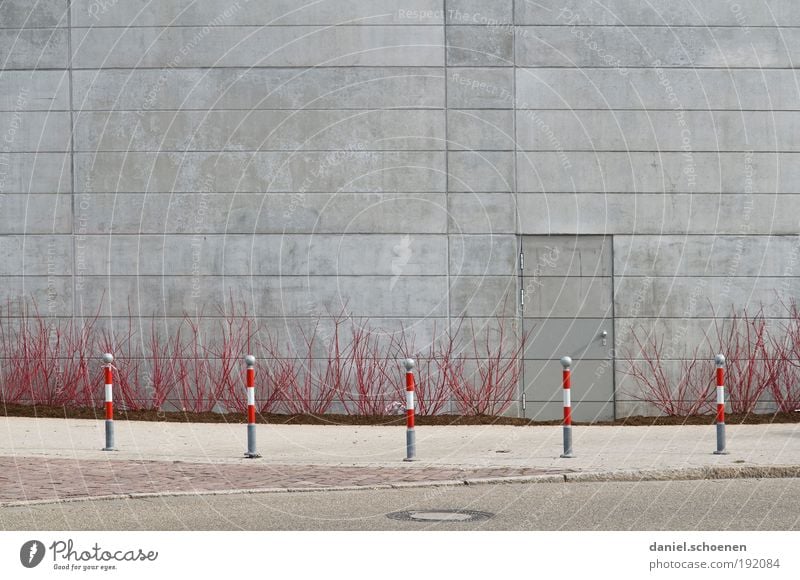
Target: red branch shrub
370,365
784,365
749,368
164,369
45,360
435,370
235,332
129,392
691,394
492,389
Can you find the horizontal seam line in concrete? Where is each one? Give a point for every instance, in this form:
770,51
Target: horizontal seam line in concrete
676,474
601,151
403,108
462,149
442,192
317,234
508,67
294,151
397,24
87,110
502,66
309,66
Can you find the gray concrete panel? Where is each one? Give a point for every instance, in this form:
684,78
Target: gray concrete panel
479,46
37,48
480,171
274,213
35,255
567,256
649,88
27,14
477,338
347,170
35,213
266,255
701,296
251,89
260,130
567,297
41,90
480,88
646,46
681,338
743,13
476,129
597,213
727,256
592,380
483,296
658,172
702,377
478,12
243,12
269,296
51,294
288,334
35,132
35,173
579,338
230,46
479,255
482,212
658,130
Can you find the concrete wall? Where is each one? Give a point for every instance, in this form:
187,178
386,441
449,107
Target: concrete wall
391,157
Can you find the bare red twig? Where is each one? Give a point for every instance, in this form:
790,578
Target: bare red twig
494,386
744,343
235,332
689,394
784,363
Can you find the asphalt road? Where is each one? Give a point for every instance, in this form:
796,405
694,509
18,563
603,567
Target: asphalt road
737,504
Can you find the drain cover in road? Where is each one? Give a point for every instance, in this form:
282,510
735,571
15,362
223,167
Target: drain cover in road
440,516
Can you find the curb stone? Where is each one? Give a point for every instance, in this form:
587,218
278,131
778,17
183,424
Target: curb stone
642,475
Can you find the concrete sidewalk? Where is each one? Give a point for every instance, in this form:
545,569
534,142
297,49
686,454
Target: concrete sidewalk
211,458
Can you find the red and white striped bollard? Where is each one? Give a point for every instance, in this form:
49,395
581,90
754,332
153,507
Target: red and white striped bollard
411,443
566,380
719,360
108,375
251,453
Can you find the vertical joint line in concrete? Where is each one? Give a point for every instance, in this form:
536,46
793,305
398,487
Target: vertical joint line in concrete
613,330
72,161
515,195
446,172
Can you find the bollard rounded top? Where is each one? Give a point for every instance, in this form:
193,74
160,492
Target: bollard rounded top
719,360
409,364
250,360
108,358
566,362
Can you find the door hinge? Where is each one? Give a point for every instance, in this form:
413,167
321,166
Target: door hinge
521,261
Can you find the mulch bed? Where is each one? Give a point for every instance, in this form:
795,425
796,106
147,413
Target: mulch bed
89,413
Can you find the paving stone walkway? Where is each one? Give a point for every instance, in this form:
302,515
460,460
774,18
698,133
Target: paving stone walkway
25,479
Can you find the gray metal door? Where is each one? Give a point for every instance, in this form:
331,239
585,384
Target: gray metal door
568,310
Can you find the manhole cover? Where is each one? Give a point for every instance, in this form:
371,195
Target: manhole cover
440,516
